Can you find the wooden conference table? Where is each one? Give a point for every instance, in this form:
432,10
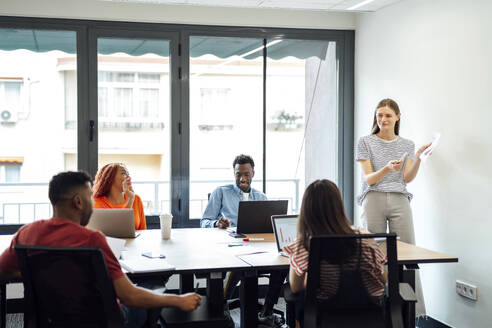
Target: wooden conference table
208,251
409,257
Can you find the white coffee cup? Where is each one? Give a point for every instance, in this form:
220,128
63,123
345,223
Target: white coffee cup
166,221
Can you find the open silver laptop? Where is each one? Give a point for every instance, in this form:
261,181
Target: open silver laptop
285,230
117,222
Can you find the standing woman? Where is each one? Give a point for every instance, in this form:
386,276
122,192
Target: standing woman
388,163
113,189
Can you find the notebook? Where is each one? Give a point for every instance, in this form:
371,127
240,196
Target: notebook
116,245
117,222
144,264
285,231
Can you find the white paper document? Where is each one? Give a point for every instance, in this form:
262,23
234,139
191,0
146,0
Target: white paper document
241,250
116,245
144,264
428,151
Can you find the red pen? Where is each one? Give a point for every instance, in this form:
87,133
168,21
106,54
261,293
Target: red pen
253,239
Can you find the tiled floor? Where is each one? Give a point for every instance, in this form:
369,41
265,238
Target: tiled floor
16,320
235,314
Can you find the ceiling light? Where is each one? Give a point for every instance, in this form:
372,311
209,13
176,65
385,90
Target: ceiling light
363,3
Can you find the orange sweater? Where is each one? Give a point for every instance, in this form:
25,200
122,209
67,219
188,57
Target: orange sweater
138,212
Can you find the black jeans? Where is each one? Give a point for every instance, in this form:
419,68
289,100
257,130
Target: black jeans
275,283
134,317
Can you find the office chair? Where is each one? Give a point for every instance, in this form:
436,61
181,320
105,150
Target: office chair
67,287
351,307
152,222
9,229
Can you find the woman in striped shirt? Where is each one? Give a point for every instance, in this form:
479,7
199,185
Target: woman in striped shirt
323,213
389,162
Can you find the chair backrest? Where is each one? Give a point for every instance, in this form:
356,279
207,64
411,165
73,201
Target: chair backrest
351,306
67,287
9,229
152,222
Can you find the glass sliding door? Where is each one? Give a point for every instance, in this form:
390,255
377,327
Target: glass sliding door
38,118
176,104
134,114
301,112
226,112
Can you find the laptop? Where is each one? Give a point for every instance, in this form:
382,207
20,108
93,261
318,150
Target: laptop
117,222
285,231
254,215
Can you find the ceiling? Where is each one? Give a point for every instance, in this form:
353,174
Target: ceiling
324,5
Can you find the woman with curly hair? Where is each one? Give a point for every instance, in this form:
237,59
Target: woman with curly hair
113,189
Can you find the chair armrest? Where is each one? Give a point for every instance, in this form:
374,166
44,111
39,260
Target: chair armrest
289,295
407,293
412,266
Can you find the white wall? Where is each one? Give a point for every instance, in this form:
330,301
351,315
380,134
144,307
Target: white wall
179,14
434,59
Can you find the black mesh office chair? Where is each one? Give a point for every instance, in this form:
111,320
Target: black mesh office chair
152,222
351,307
9,229
6,229
67,287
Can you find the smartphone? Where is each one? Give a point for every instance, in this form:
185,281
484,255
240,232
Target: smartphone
403,157
236,234
153,255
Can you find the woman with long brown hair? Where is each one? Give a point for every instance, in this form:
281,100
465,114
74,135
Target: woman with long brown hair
323,213
113,189
389,162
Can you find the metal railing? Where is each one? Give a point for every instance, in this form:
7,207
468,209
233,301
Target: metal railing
27,202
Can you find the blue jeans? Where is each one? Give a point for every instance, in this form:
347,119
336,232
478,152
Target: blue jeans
133,317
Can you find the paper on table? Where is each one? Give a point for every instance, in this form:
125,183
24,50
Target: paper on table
428,151
116,245
144,264
242,250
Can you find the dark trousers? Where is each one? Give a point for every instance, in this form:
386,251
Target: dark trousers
275,283
133,317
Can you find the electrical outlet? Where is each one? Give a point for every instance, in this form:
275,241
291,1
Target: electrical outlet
467,290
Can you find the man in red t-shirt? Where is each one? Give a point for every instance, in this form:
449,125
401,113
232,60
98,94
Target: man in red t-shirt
70,194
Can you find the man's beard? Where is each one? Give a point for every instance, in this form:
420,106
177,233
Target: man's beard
84,221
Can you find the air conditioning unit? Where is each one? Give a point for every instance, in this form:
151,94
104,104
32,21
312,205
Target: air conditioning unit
8,116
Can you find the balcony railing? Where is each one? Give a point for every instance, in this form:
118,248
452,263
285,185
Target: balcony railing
27,202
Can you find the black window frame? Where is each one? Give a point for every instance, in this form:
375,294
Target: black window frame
87,32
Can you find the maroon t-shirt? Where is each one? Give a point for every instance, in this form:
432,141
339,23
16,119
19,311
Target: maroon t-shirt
62,233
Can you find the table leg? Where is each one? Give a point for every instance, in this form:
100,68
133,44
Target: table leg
3,305
408,275
248,294
215,294
185,283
